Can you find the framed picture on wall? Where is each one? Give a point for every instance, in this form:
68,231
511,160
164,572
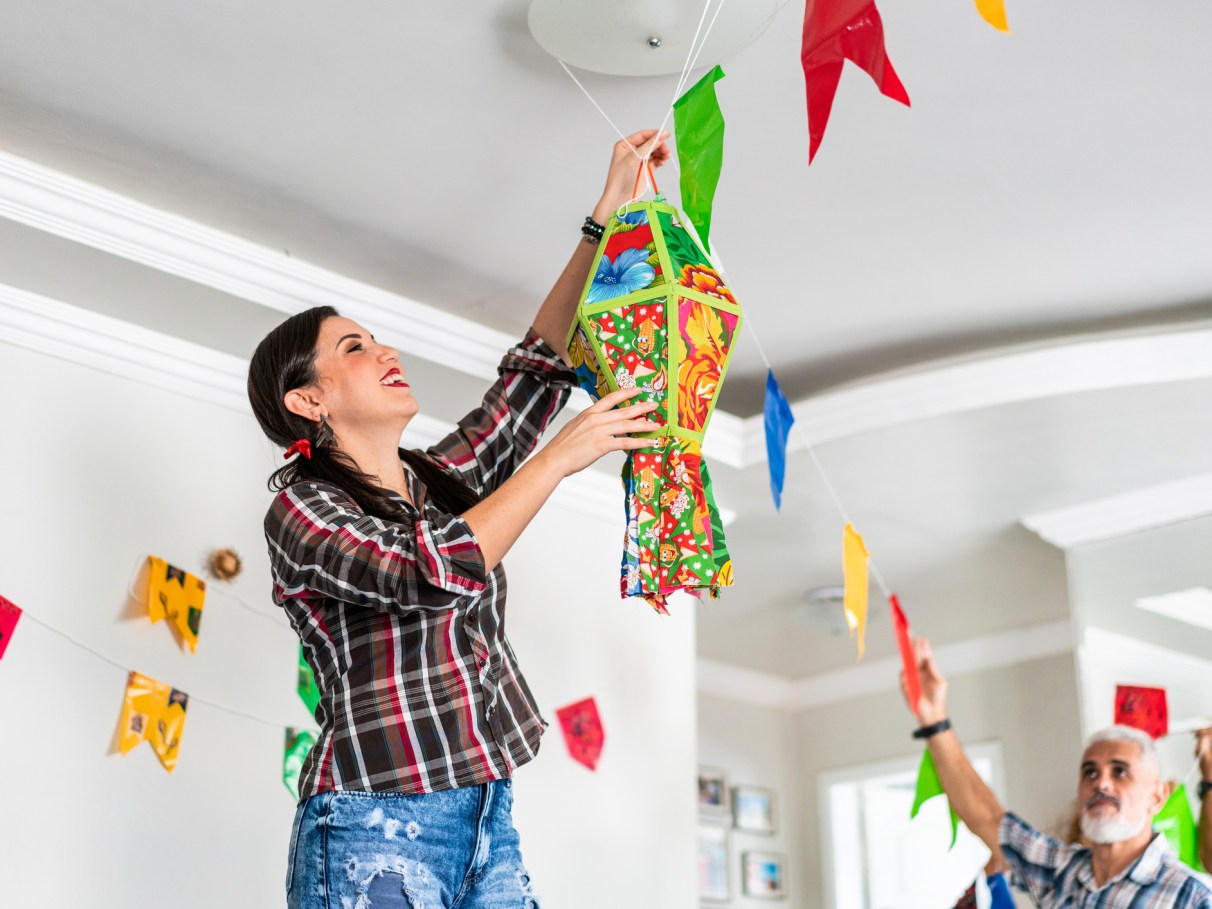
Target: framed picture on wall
713,859
753,809
713,793
762,875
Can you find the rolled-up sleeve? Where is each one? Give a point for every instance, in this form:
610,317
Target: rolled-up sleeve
492,441
320,540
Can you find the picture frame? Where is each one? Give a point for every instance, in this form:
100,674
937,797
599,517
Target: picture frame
762,875
714,859
753,809
713,793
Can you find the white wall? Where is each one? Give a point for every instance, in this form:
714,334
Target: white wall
99,471
756,746
1030,709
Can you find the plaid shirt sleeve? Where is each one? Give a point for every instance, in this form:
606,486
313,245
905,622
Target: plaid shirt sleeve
493,440
1035,859
321,540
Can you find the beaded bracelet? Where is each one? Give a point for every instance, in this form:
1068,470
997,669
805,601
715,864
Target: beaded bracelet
592,230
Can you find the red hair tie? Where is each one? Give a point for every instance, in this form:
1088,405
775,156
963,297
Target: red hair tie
302,446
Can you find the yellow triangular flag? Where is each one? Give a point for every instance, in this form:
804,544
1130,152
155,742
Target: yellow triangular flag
155,713
854,572
994,12
175,594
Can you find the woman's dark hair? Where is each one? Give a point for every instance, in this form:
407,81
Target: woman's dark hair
286,359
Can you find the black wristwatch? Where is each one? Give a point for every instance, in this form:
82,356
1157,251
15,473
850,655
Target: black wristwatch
924,732
1205,786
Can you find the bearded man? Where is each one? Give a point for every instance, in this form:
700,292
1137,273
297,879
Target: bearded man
1119,790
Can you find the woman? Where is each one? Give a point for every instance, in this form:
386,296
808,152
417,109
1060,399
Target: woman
388,564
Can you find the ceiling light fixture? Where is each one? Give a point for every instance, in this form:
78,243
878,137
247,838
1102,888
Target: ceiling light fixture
618,37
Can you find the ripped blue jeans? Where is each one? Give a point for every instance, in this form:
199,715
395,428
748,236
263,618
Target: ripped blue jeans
456,849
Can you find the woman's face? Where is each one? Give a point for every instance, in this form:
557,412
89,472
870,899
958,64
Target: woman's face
360,382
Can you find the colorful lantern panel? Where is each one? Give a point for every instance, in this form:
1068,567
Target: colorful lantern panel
656,315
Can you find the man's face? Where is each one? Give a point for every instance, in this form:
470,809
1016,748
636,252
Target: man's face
1119,792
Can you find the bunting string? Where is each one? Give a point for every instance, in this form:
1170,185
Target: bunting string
193,698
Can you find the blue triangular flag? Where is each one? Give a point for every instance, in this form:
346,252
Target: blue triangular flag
778,426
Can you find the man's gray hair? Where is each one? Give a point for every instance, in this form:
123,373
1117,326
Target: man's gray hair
1142,740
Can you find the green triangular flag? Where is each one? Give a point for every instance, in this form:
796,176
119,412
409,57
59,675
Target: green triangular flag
1177,824
699,127
298,743
306,684
928,786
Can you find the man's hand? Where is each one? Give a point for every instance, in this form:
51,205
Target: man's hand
932,706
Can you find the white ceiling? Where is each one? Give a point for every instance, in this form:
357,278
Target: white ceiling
1045,183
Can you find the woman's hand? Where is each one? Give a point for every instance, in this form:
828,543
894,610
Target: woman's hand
1203,751
624,162
931,708
599,429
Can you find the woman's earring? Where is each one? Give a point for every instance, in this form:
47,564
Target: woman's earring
324,434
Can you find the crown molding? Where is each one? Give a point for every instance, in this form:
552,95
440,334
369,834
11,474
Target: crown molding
54,202
1119,515
1007,648
162,361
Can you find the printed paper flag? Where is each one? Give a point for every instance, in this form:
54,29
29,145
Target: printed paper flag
994,12
155,713
305,684
836,31
1176,822
175,594
854,574
699,127
1142,708
779,420
583,731
298,743
928,786
9,614
904,642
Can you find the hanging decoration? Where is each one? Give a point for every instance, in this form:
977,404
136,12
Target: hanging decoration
1176,823
175,594
927,787
298,743
224,564
153,712
1142,708
994,12
305,684
904,643
836,31
699,128
779,420
655,314
583,733
9,614
854,575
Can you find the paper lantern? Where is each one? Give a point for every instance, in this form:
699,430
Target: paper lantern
655,314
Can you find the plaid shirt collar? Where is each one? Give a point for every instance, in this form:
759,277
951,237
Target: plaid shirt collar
1144,871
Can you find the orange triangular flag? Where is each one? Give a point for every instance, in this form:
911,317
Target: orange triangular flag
854,572
994,12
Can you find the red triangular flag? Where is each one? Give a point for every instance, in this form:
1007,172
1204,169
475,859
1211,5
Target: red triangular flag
836,31
1142,708
913,682
9,613
583,731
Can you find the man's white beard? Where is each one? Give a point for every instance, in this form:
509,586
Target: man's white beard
1113,829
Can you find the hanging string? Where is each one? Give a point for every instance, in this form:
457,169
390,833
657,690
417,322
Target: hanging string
259,613
125,670
691,58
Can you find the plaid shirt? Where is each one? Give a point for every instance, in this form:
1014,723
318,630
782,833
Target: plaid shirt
1061,875
401,624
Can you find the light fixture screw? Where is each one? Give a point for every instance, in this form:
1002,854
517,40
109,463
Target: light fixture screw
654,42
